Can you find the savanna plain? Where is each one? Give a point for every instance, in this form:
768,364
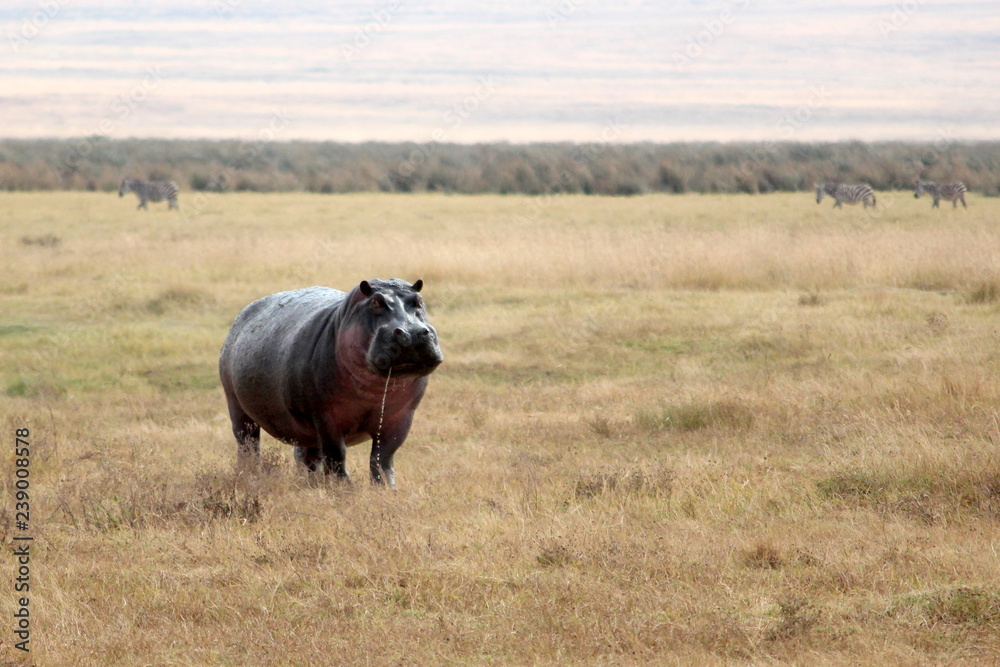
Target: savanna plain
669,429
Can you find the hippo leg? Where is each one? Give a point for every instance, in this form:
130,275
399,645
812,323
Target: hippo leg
310,457
382,470
333,448
383,450
335,457
247,433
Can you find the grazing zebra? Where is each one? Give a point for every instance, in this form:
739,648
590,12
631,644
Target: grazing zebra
154,191
852,194
953,192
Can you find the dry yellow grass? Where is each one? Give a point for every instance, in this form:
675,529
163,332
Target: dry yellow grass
668,429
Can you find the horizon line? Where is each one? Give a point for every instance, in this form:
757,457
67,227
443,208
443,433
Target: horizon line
508,142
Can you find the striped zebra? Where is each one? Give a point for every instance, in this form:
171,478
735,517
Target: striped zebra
953,192
851,194
154,191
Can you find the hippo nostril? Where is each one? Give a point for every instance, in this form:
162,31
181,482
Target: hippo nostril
401,336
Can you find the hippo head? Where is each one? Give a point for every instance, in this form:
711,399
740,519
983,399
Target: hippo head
402,339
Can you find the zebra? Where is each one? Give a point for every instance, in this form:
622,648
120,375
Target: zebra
852,194
953,192
154,191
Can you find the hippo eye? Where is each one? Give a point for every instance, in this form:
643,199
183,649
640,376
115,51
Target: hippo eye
377,304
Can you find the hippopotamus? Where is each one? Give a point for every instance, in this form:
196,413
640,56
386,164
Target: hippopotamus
322,370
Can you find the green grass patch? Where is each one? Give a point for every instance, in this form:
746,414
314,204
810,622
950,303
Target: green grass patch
971,607
178,298
16,330
182,377
853,485
725,414
920,495
22,387
984,292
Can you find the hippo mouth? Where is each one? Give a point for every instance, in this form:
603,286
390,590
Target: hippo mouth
415,369
382,366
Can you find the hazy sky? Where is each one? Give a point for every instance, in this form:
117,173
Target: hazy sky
562,70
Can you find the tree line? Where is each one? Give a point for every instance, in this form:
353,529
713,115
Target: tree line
99,163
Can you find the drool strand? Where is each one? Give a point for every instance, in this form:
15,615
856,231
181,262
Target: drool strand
381,416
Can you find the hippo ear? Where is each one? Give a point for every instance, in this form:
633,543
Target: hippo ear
419,285
365,288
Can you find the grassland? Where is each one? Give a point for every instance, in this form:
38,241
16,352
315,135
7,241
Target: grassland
669,429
